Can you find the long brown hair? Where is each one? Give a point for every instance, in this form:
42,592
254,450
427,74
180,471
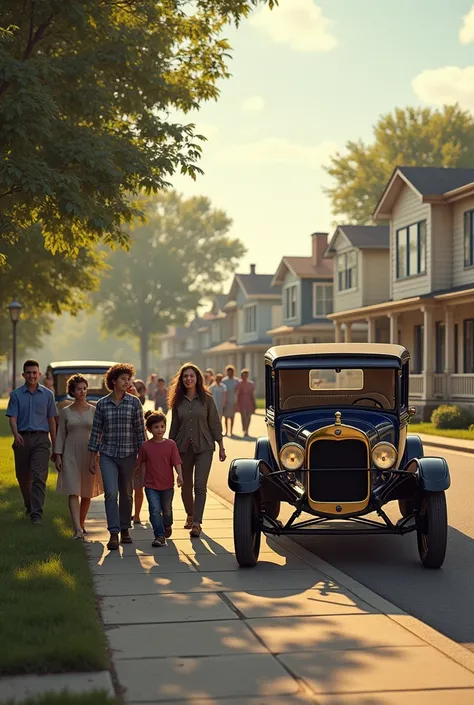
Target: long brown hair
178,390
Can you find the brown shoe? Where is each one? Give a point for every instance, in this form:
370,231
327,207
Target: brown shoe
113,542
189,522
168,531
158,541
195,530
125,536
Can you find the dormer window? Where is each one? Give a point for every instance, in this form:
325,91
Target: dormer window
347,271
469,239
411,250
291,302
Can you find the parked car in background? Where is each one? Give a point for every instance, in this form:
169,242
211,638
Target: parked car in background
338,448
92,370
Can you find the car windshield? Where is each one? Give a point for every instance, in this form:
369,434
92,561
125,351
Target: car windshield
310,388
95,383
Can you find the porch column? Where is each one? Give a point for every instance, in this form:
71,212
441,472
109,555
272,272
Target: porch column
348,332
449,365
428,348
240,362
338,332
393,317
371,330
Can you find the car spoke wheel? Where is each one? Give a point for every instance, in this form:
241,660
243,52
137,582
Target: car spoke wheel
272,508
432,531
247,531
406,506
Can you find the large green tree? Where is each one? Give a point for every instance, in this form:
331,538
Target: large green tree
46,284
87,88
409,137
181,253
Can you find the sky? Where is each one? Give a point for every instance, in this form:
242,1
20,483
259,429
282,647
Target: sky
307,78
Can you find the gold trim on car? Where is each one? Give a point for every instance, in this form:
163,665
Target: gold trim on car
338,433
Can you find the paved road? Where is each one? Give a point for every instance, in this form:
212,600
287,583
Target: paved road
389,565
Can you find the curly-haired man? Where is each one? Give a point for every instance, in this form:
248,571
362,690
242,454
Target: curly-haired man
118,432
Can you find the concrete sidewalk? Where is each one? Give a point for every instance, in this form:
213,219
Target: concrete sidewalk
185,624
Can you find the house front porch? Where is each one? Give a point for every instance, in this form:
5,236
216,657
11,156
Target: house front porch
438,330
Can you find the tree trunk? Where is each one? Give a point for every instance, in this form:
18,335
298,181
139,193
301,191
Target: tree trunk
144,341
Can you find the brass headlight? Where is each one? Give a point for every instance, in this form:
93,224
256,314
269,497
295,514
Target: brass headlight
384,456
292,456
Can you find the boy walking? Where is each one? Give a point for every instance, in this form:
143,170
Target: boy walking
156,461
32,415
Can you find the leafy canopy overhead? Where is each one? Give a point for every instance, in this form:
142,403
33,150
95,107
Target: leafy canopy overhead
86,91
409,137
182,253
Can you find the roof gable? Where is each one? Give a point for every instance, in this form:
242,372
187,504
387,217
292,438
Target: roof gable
363,237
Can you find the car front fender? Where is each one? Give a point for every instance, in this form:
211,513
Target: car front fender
263,451
244,475
413,448
431,474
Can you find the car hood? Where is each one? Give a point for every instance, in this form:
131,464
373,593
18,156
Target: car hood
377,426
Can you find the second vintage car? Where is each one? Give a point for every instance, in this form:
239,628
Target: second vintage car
92,370
338,450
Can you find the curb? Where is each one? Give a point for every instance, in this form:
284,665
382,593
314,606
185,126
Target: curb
445,445
457,653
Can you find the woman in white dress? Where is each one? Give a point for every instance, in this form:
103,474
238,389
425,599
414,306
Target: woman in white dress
72,455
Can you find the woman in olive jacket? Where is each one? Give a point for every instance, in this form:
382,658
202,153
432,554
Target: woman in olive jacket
195,428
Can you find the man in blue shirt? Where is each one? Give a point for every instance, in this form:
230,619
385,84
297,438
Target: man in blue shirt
32,414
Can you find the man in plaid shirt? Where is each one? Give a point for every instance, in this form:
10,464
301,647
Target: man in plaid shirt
117,433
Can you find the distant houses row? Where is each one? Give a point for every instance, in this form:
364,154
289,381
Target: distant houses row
408,280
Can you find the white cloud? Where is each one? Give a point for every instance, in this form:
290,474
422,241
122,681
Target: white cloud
253,104
449,84
299,23
272,151
466,33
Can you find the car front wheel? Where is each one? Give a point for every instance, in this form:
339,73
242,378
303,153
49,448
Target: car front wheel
247,532
432,529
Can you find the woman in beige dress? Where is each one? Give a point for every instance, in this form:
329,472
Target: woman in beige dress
72,455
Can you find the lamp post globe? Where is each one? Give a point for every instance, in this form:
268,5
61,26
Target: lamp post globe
14,309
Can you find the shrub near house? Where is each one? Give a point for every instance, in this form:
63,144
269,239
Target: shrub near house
453,417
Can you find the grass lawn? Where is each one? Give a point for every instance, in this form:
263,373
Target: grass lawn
447,432
97,698
48,617
260,403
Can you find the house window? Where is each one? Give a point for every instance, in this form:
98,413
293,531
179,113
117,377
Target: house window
411,250
188,344
250,319
291,300
469,346
322,299
418,349
440,341
347,271
469,238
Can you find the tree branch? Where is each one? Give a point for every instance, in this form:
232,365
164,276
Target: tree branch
37,36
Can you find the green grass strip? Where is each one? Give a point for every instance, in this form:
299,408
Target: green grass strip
431,429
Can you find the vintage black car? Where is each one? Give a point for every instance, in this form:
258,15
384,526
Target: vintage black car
338,450
92,370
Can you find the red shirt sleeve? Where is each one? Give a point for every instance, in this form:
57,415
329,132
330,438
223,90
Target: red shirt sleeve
175,456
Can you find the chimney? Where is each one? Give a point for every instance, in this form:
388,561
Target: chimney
319,242
252,269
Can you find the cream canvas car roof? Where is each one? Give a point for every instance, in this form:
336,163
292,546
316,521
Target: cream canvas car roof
315,349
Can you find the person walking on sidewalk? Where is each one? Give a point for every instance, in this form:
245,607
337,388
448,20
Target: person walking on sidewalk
72,458
32,415
246,403
231,382
196,428
118,432
219,394
161,396
156,461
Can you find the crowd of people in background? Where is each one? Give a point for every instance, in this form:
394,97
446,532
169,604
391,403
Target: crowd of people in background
116,449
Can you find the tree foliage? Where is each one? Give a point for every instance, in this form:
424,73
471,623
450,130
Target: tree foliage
409,137
86,91
46,284
182,253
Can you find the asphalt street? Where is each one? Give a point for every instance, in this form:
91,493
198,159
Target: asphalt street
389,565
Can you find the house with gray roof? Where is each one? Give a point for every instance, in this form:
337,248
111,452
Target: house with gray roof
429,273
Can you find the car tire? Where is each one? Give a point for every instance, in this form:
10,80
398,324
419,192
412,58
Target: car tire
432,531
272,508
406,506
247,532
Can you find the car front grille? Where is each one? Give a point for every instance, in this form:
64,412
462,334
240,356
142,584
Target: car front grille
338,471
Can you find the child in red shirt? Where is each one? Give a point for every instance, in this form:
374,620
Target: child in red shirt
156,460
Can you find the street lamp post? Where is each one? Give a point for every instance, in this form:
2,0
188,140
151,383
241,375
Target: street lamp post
14,309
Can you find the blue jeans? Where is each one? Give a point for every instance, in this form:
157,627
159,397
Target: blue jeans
161,511
117,476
